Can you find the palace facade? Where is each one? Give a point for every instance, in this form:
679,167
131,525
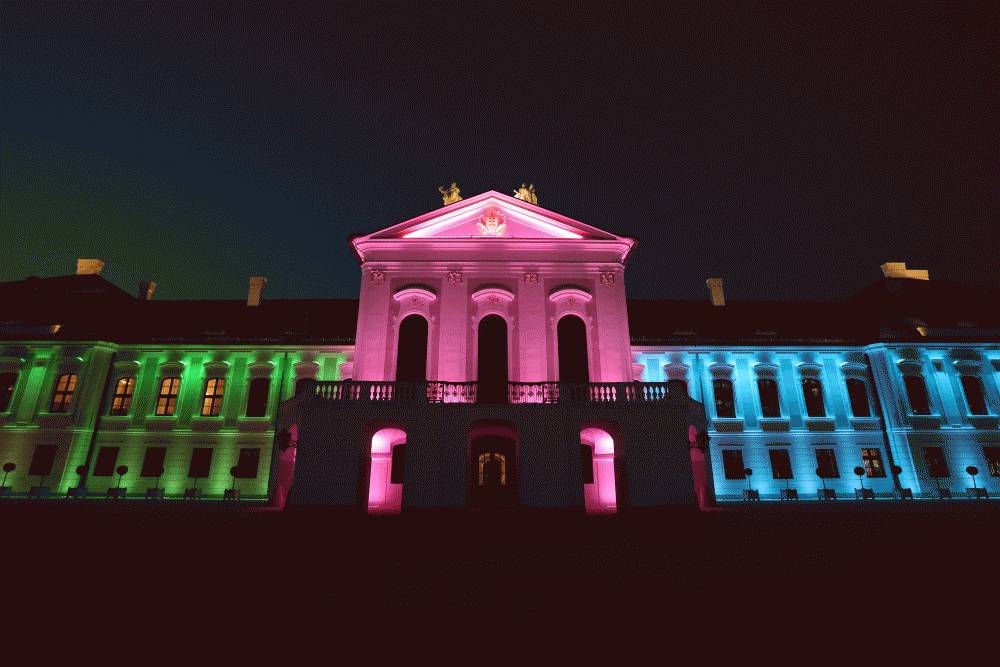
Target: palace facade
493,360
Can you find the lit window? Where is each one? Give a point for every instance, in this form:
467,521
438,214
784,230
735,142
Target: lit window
826,464
257,397
973,388
769,404
916,393
63,394
858,393
492,469
992,455
166,402
7,383
732,462
211,404
123,396
812,392
725,406
873,462
781,463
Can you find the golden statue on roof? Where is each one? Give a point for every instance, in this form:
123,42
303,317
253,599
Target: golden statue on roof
527,193
450,195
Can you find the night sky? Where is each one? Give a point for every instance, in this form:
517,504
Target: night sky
787,148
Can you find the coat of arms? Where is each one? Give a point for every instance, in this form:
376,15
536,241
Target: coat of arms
492,224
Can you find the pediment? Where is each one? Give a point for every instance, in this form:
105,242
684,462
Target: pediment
491,215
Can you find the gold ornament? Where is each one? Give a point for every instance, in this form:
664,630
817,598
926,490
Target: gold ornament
527,193
450,195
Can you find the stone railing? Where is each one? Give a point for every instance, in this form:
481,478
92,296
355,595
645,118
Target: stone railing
517,392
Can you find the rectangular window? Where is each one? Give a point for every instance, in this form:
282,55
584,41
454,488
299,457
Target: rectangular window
992,456
826,464
725,406
152,463
107,457
873,462
257,397
858,393
937,466
812,391
781,463
62,395
201,463
211,404
246,468
916,393
769,404
166,401
587,463
122,400
42,460
732,461
974,396
397,471
7,383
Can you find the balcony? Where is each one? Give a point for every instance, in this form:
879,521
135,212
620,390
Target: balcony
517,392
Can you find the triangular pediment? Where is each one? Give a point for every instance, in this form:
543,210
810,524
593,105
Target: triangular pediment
492,215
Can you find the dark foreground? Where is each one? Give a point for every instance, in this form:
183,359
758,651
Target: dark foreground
880,564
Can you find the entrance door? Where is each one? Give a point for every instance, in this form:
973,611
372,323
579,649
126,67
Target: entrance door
492,360
494,473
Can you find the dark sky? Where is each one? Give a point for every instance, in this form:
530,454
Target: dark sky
788,148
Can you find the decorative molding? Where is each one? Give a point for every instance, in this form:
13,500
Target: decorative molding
810,369
608,278
261,369
9,364
306,370
676,370
376,276
171,369
721,370
910,367
968,366
854,369
414,294
531,277
216,369
455,278
765,370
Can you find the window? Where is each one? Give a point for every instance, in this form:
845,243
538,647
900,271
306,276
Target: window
246,467
916,393
257,397
936,464
724,404
397,472
106,459
63,394
992,456
587,463
732,461
973,388
858,393
42,460
152,463
7,383
873,462
826,464
201,462
211,404
781,464
123,396
812,391
769,404
166,402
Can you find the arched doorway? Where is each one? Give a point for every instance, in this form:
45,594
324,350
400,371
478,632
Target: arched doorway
597,450
385,479
571,334
411,350
494,472
492,360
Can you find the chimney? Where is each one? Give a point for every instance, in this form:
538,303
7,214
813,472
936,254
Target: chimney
256,290
146,290
717,295
89,267
899,270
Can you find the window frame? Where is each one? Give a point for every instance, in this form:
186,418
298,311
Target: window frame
908,378
730,474
161,396
832,457
877,468
117,410
9,398
777,397
982,395
812,380
992,462
716,400
62,399
771,452
856,381
250,396
213,396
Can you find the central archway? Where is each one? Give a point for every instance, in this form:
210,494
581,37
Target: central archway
411,350
491,360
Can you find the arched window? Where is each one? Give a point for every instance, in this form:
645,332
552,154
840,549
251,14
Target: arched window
725,405
974,396
411,350
492,360
574,365
7,383
166,400
812,392
770,406
916,393
211,404
857,391
122,399
62,395
257,397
